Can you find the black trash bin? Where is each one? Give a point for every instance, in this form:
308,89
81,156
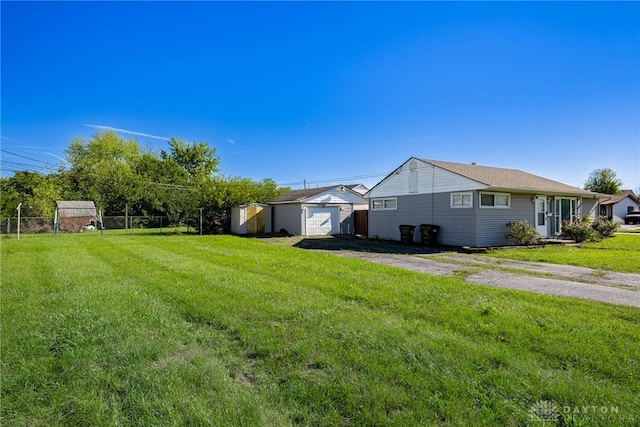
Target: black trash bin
406,233
429,234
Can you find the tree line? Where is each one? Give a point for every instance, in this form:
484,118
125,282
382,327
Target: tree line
118,175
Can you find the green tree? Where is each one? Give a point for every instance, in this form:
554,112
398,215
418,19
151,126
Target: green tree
103,170
37,193
220,194
166,188
9,198
114,172
197,159
603,181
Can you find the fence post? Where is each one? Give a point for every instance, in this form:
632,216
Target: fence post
201,221
8,225
19,205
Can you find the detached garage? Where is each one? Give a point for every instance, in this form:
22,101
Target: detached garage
322,221
319,211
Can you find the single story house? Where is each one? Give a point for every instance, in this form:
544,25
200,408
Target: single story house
619,205
316,211
472,204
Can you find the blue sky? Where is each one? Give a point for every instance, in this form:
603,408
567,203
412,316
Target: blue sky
330,92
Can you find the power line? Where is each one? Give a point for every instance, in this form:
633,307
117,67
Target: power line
328,180
22,164
286,184
25,157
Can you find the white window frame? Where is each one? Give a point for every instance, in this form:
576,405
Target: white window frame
385,201
461,194
507,195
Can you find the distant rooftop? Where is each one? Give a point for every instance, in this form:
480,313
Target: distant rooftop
299,195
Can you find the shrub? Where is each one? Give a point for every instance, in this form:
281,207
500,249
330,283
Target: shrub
605,228
579,230
523,234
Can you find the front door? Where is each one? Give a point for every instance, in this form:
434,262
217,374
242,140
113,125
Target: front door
541,215
564,211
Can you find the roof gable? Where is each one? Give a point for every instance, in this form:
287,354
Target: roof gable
322,194
75,204
450,176
619,197
76,208
507,178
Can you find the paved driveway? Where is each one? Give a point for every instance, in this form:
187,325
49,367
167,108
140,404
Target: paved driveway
550,279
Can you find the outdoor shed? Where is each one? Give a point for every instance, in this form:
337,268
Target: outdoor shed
319,211
251,219
472,204
76,216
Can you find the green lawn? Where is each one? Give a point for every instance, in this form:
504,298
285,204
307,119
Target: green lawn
220,330
619,253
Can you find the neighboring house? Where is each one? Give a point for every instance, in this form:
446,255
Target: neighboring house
471,204
316,211
619,205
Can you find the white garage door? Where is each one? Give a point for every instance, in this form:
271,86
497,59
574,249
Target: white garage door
322,221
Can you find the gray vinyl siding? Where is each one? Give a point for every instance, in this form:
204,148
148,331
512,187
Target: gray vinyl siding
291,217
288,217
492,222
457,226
476,227
347,225
589,208
383,224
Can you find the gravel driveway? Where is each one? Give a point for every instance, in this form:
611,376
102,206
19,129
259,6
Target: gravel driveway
542,278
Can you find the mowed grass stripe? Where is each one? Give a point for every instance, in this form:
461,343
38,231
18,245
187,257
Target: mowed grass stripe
108,352
230,258
190,329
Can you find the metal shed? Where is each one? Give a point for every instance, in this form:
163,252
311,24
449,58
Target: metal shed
251,219
78,215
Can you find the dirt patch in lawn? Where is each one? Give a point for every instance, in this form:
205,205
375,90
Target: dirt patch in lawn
355,244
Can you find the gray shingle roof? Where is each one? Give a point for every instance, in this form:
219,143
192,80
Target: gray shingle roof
512,179
618,197
75,204
299,195
76,208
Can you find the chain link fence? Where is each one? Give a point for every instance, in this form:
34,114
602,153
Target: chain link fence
35,225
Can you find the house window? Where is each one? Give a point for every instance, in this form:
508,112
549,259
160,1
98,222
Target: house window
384,204
461,200
495,200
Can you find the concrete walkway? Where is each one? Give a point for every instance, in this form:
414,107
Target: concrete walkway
549,279
542,278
